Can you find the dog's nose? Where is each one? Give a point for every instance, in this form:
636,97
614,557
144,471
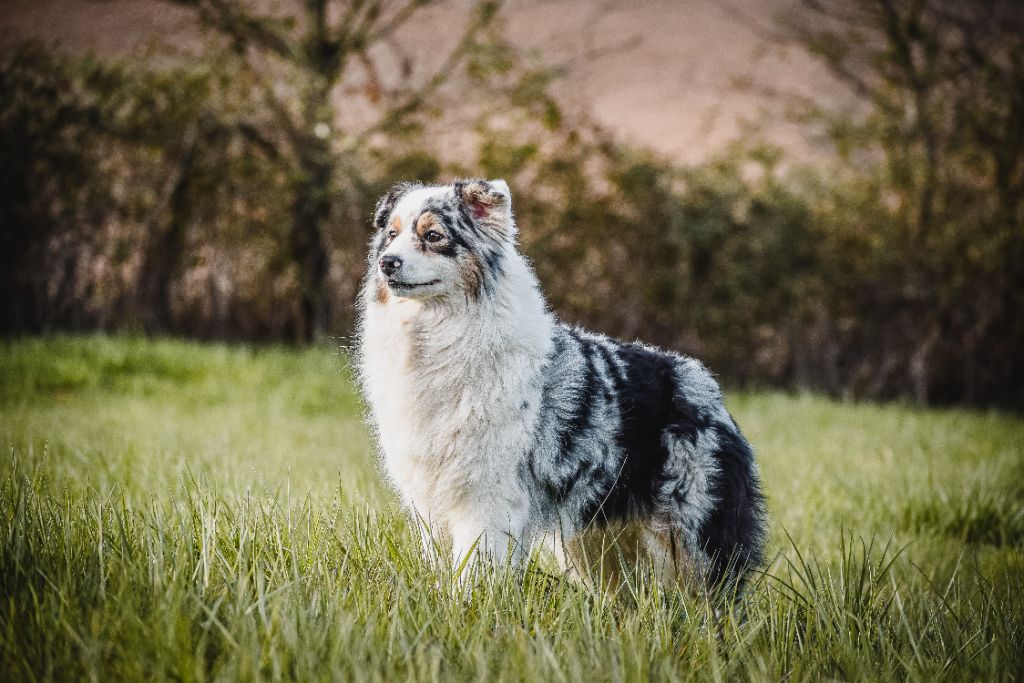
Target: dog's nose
389,264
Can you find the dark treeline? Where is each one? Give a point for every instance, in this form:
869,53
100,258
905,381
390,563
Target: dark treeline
206,200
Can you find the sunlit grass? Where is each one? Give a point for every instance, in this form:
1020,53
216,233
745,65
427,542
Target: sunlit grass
173,510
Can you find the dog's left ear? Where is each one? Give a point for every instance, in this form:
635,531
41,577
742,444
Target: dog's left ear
489,203
386,204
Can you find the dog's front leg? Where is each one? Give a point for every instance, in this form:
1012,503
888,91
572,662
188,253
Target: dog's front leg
494,542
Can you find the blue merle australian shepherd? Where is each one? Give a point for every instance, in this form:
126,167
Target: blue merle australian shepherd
502,428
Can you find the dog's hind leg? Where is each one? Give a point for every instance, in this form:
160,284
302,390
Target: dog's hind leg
674,561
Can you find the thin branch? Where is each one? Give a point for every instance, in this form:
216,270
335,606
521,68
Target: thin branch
253,134
418,97
754,25
807,33
318,8
291,130
354,8
593,54
358,22
373,87
401,55
242,28
183,159
401,16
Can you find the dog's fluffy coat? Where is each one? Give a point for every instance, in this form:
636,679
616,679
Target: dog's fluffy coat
501,427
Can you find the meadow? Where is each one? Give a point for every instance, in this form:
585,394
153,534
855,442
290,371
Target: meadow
181,511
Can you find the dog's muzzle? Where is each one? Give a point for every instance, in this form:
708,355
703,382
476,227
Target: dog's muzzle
389,265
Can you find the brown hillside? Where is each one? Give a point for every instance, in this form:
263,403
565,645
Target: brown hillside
667,74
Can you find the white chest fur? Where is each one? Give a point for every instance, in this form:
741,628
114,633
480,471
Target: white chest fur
455,392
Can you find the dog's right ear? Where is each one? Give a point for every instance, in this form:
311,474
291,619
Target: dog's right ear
386,204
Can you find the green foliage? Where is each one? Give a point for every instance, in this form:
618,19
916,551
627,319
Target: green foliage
979,516
894,272
141,168
43,174
194,200
931,193
190,511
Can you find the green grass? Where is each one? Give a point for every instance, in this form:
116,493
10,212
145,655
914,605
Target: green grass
173,510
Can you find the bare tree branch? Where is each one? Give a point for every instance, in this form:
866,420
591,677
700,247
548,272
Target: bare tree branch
357,23
593,54
395,22
183,155
417,98
242,28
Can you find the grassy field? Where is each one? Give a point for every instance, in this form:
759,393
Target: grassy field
173,510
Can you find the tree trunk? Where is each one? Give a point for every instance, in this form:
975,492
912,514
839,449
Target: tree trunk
311,212
23,229
163,255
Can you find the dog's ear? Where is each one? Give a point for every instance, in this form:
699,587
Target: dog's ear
386,204
489,204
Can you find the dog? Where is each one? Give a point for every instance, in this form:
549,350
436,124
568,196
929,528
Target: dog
502,428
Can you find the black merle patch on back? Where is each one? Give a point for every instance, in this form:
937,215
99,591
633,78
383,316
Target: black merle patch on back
627,477
583,410
645,405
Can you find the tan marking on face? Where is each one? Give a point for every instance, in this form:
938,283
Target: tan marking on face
427,222
396,224
382,292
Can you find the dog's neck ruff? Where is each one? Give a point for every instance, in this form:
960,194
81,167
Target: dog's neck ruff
443,374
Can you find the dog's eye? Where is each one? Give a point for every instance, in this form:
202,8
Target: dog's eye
433,236
392,235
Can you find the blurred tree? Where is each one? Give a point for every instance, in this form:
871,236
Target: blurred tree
934,175
38,122
298,55
106,169
225,196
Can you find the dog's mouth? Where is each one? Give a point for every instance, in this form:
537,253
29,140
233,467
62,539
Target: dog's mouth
399,284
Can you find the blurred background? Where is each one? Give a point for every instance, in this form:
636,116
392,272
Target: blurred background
817,194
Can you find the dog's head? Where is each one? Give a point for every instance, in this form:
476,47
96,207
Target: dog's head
440,241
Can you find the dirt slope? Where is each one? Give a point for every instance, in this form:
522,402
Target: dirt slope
661,73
